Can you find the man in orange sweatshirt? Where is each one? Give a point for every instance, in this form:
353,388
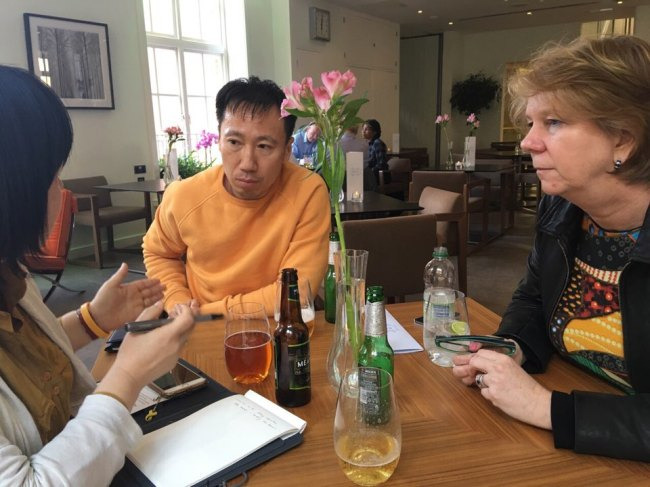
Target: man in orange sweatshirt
222,236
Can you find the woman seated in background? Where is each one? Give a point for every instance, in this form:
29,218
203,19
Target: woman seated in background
586,294
57,427
376,147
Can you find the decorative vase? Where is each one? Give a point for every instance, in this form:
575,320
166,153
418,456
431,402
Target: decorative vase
449,162
171,166
350,300
469,154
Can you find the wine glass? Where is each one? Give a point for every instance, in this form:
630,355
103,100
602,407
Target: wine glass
307,309
248,343
445,314
367,429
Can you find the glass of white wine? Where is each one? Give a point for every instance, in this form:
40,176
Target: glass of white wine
367,428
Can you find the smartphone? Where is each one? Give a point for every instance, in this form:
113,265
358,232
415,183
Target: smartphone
419,320
177,381
461,343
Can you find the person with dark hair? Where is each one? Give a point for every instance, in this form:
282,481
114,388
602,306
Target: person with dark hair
376,147
57,426
222,236
585,296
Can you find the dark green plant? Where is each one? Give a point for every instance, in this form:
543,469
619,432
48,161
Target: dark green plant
189,165
475,93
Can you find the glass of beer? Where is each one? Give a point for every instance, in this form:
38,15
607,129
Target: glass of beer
367,428
248,343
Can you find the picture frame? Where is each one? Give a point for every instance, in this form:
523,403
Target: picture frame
72,57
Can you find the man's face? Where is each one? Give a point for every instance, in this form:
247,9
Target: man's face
253,151
312,133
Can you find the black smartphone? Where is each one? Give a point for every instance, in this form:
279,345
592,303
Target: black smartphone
177,381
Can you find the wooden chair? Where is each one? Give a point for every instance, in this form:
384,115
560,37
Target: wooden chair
399,248
51,260
457,182
451,226
97,211
395,181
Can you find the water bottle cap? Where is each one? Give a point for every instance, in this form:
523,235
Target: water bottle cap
440,252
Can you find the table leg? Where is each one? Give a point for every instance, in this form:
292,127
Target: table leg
147,208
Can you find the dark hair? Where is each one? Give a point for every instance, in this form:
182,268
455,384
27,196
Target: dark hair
375,126
38,132
253,96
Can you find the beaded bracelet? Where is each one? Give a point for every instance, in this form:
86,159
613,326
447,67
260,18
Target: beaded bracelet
89,323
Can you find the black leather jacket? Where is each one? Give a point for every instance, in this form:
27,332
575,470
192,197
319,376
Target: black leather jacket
603,424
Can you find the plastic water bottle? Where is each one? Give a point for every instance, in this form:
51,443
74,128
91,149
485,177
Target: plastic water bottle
439,271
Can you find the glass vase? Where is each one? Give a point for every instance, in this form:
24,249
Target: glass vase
350,301
449,162
171,166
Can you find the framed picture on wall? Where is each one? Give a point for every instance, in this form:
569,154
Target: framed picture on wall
72,57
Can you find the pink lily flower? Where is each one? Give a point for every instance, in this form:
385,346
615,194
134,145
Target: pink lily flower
322,98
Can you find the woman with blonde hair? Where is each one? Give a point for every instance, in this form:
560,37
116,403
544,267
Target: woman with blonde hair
586,293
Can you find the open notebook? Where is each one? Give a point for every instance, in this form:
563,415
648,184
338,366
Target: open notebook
208,436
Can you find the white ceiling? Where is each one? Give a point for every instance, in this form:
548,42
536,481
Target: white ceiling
481,15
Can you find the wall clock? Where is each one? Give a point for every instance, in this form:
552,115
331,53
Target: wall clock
319,24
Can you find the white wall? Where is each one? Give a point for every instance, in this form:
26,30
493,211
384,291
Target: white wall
366,45
107,142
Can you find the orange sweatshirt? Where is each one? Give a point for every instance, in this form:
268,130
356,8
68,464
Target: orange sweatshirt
236,248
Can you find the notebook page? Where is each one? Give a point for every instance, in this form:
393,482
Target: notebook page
207,441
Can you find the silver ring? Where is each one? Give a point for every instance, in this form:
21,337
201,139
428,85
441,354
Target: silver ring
479,381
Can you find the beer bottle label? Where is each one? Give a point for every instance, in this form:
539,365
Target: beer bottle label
369,391
300,365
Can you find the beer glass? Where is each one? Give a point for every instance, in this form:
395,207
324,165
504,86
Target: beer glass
307,309
367,429
445,315
248,343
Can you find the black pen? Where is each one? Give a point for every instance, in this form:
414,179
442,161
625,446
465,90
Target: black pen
147,325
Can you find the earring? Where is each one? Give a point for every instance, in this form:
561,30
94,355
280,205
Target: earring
618,164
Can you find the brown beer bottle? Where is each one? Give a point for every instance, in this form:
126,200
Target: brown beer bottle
291,343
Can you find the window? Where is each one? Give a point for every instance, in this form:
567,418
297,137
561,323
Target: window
187,65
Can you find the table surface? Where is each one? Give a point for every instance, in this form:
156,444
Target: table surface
450,434
503,154
377,203
150,186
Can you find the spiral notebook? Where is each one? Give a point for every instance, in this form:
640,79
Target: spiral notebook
208,437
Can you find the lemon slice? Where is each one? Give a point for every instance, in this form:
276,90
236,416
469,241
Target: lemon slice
458,327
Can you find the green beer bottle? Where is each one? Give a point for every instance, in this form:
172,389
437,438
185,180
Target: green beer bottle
330,280
375,350
377,353
291,347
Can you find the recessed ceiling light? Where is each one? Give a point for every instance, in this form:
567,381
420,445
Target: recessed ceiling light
620,2
529,13
451,23
419,11
607,9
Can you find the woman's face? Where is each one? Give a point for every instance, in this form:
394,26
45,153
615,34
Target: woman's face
573,157
53,202
367,132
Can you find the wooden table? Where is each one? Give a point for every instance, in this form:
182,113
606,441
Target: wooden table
147,187
451,435
375,205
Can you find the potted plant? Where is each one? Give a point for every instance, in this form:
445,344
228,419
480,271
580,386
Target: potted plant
474,93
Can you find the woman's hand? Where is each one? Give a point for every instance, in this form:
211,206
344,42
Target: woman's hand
507,386
116,302
143,357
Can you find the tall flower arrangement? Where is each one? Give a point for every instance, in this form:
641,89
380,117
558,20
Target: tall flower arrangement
174,134
206,141
443,121
329,107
